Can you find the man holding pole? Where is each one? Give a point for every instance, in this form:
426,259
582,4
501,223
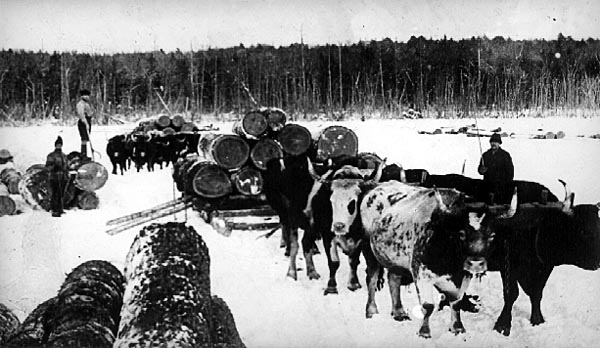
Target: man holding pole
497,169
84,125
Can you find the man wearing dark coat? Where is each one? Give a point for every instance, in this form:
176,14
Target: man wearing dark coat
497,169
58,177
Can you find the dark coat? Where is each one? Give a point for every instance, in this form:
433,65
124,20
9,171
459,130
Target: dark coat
498,178
57,165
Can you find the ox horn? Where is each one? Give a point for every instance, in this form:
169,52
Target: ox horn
438,196
513,206
568,202
378,172
313,172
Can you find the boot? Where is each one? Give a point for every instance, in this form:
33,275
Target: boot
83,151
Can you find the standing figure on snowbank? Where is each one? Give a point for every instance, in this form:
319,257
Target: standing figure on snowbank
498,172
58,177
84,125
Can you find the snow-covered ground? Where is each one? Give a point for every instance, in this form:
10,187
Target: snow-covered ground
36,250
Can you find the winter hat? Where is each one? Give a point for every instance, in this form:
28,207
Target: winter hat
496,138
5,154
58,141
84,92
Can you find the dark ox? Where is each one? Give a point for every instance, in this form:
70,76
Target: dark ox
421,235
118,153
287,185
535,240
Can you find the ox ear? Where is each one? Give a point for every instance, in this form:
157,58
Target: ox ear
438,197
568,202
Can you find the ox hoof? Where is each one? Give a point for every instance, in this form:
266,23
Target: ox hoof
292,274
330,290
537,320
505,330
424,332
354,286
457,328
371,312
313,275
402,316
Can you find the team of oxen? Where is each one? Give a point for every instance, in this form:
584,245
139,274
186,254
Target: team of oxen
430,230
149,149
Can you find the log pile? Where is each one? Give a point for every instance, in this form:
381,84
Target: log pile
84,313
167,295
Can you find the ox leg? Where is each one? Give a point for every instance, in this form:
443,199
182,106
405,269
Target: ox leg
373,271
394,282
511,292
292,272
308,242
285,240
354,261
333,267
533,285
114,165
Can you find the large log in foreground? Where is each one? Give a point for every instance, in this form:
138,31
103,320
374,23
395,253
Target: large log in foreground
34,330
336,141
8,323
167,297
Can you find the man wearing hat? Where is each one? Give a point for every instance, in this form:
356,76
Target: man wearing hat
6,160
58,176
497,169
84,125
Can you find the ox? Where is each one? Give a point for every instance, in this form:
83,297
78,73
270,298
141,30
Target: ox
287,185
418,234
342,233
535,240
117,151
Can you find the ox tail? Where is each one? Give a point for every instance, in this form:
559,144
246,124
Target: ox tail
380,279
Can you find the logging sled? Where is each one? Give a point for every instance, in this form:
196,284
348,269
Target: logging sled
224,178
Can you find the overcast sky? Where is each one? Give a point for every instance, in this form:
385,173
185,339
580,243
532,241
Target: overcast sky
134,25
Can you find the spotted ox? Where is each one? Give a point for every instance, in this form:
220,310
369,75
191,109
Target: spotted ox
535,240
426,236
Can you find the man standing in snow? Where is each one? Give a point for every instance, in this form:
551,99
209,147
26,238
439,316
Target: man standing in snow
58,177
497,169
84,125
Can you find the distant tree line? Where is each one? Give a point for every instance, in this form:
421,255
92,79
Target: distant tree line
439,77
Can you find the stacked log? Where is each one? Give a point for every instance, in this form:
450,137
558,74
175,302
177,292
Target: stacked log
253,125
7,204
294,139
228,151
247,181
8,323
87,200
334,142
194,176
167,297
11,177
84,313
265,150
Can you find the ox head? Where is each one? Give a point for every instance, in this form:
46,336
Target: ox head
471,226
347,187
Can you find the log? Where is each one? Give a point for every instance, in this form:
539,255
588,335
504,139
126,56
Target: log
224,330
189,127
276,119
91,176
34,189
87,200
9,323
368,160
253,125
228,151
34,329
168,131
294,139
264,150
247,181
7,204
87,310
162,122
11,177
167,295
177,121
206,179
336,141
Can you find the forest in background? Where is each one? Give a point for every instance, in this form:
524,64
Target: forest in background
440,78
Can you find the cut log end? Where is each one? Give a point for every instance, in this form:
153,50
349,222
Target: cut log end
336,141
295,139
